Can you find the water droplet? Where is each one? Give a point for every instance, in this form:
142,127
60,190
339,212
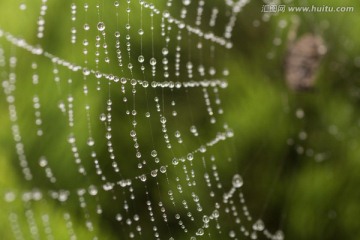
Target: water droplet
101,26
206,219
186,2
141,59
63,196
92,190
118,217
22,6
102,117
132,133
163,120
165,51
143,178
43,162
108,135
175,161
108,186
90,141
153,61
163,169
86,71
154,173
133,82
71,138
189,65
237,181
215,214
9,197
166,14
153,153
177,134
200,232
86,27
279,235
300,113
258,225
282,23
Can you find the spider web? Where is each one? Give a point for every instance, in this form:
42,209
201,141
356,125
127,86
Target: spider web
122,135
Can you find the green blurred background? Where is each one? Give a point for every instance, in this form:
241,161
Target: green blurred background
305,186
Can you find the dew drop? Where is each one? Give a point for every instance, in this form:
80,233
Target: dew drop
163,169
22,6
154,173
102,117
206,219
163,120
177,134
101,26
108,135
165,51
133,82
175,161
86,27
215,214
92,190
71,138
118,217
186,2
153,153
143,178
189,65
9,197
299,113
258,225
63,196
86,71
141,59
90,141
43,162
200,232
237,181
279,235
153,61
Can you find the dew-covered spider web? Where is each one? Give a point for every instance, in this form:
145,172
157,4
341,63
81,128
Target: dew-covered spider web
116,121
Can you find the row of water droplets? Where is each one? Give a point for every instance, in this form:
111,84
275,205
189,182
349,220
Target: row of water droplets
106,118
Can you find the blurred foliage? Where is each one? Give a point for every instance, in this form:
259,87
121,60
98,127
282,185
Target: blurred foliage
306,186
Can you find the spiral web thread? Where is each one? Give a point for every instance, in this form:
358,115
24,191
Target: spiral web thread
125,84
